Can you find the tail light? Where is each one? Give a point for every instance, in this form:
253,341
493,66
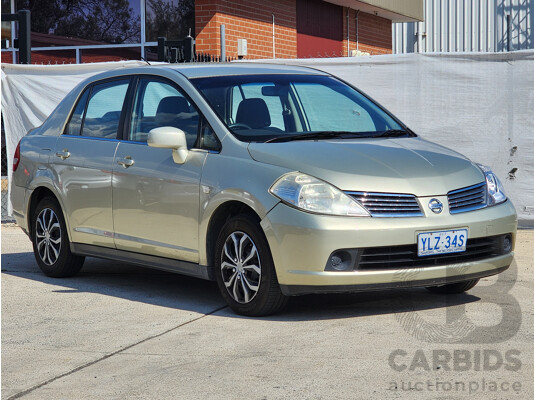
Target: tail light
16,158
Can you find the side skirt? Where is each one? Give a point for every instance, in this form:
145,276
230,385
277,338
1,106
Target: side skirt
165,264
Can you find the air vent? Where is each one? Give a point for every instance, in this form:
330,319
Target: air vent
468,199
388,204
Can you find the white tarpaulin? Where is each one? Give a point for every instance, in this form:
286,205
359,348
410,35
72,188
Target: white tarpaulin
480,104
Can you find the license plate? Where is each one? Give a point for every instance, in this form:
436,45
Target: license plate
442,242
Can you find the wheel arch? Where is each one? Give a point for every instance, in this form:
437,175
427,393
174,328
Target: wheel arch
39,193
219,217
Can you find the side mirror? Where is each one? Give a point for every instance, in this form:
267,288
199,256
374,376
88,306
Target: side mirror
168,137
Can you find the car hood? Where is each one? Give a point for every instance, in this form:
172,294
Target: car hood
400,165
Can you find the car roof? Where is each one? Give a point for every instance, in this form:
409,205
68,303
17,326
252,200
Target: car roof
204,70
196,70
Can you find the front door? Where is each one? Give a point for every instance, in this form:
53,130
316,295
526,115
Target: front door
155,200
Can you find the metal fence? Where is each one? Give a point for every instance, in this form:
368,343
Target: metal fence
467,25
183,51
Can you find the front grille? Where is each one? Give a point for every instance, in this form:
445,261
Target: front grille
394,257
468,199
388,204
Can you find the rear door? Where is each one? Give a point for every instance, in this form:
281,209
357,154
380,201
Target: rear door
83,159
155,200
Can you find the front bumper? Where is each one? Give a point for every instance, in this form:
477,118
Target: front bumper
301,244
396,283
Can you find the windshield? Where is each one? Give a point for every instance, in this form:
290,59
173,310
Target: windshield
260,108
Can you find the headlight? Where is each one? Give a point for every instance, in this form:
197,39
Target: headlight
310,194
495,192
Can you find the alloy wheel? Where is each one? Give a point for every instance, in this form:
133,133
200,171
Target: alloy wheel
240,267
48,236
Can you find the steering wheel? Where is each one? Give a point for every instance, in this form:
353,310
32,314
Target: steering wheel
239,125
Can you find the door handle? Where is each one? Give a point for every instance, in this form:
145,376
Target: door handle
63,154
126,162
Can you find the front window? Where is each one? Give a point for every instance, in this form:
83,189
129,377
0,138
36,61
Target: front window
160,104
260,108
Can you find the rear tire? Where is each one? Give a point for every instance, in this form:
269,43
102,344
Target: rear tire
51,246
453,288
245,272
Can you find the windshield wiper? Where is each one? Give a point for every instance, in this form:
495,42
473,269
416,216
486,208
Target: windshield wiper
339,135
317,135
393,133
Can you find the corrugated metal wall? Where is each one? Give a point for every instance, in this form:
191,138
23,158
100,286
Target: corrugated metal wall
466,25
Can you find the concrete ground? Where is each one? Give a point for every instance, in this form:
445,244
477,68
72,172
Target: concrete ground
117,331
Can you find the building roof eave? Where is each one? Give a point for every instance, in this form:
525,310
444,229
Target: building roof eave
396,11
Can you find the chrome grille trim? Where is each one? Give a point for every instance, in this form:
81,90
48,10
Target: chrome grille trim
388,204
469,198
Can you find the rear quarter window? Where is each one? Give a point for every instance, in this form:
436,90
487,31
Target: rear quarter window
75,123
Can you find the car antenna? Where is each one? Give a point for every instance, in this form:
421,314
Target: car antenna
144,59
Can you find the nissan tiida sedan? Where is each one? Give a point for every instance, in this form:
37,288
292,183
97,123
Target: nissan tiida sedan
272,180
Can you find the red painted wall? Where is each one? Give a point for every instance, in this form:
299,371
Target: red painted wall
319,29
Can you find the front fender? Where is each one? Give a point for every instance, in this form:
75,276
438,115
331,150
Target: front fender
231,179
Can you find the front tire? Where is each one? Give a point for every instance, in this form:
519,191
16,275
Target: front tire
245,272
51,242
453,288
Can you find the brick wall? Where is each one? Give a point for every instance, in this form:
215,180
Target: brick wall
7,57
251,20
375,33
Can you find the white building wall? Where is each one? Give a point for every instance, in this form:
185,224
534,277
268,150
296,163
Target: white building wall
466,25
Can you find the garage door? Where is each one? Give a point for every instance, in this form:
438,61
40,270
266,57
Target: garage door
319,29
